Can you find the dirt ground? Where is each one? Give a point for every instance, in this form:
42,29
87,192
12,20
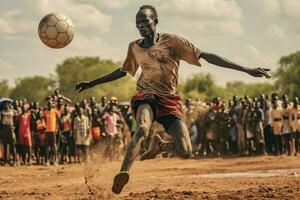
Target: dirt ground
265,177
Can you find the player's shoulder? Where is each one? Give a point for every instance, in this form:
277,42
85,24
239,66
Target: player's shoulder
172,36
168,36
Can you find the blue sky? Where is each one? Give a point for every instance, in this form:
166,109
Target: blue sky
253,33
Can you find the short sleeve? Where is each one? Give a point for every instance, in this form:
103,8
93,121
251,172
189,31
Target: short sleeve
130,65
186,51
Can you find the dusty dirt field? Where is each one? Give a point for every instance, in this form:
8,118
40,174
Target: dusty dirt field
264,177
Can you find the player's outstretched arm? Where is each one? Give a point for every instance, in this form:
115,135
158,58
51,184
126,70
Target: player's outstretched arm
104,79
222,62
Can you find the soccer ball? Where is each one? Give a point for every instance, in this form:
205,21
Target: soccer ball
56,30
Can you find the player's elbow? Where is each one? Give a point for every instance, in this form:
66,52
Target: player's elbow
209,57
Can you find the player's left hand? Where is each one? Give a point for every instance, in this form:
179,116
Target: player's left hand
259,72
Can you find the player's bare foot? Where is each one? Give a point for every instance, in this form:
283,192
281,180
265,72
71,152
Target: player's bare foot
120,180
154,148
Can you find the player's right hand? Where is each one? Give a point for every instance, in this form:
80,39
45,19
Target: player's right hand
83,86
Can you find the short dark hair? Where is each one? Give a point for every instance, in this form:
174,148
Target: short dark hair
152,8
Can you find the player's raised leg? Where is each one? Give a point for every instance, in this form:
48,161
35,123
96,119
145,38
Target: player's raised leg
181,145
144,119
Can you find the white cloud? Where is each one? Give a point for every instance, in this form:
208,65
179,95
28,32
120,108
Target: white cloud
257,58
271,7
20,23
279,8
207,17
7,71
282,16
6,27
94,46
83,15
203,9
277,32
5,66
11,13
115,4
211,28
291,8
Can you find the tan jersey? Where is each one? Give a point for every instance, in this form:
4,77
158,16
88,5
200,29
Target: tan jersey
276,120
160,63
287,120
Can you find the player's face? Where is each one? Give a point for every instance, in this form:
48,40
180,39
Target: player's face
145,23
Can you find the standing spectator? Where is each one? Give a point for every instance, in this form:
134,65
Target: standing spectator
60,106
286,126
65,137
96,123
294,112
25,135
17,111
296,102
111,120
7,134
56,96
102,109
39,145
276,123
269,139
86,109
51,120
130,120
241,137
248,126
258,119
93,104
81,135
233,109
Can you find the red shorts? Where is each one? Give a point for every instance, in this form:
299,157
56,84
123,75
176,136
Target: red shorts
161,106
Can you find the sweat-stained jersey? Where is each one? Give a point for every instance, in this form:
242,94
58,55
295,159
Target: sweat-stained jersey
160,63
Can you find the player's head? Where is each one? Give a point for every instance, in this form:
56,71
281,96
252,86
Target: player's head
146,20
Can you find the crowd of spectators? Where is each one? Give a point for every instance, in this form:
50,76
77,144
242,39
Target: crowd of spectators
63,131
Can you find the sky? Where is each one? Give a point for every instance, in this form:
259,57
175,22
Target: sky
254,33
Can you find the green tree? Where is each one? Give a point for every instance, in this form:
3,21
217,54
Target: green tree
240,88
5,90
200,85
35,88
288,73
74,70
203,86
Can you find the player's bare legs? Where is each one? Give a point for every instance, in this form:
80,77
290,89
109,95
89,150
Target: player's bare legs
181,145
144,119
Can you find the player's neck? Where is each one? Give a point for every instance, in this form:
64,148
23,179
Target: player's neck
150,40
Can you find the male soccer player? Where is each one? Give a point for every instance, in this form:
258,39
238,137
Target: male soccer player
158,55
